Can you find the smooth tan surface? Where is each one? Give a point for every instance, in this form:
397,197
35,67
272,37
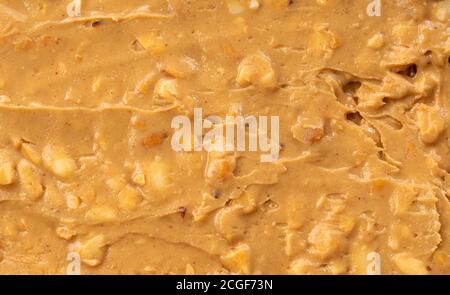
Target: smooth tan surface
86,163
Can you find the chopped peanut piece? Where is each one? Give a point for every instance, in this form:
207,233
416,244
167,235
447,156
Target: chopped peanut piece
65,232
338,267
254,4
30,180
227,223
158,175
153,43
4,98
359,259
138,176
57,161
145,85
129,198
410,265
442,10
190,269
313,135
116,183
404,33
376,42
321,41
309,135
430,123
7,173
53,197
92,251
256,69
101,213
72,201
335,42
401,200
98,83
295,216
154,139
399,233
167,89
322,2
294,243
326,241
220,167
300,267
180,67
346,224
64,167
238,260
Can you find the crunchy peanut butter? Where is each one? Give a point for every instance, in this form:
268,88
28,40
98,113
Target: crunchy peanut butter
88,90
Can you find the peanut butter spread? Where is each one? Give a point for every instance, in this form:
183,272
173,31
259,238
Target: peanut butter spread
88,92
